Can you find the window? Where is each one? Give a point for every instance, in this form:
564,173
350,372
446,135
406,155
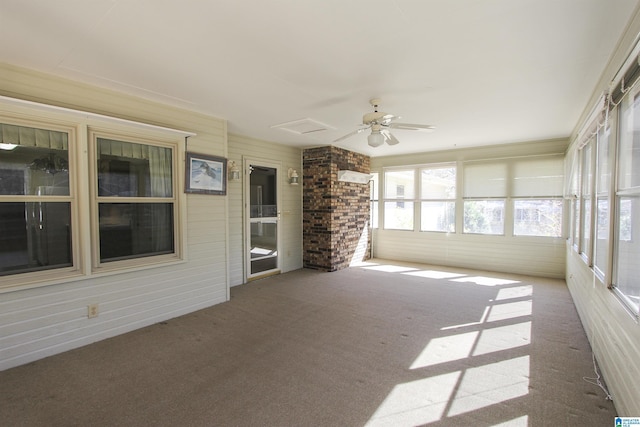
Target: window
399,188
484,216
603,183
128,185
484,197
525,193
586,191
627,268
572,193
135,198
538,217
536,188
438,195
576,209
36,206
400,195
373,198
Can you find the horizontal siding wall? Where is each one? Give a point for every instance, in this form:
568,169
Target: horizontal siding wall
543,257
43,321
521,255
241,147
613,333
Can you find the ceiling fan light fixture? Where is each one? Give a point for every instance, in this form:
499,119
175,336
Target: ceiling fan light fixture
376,139
380,123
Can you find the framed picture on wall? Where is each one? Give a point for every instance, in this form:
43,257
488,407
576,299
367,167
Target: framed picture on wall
205,174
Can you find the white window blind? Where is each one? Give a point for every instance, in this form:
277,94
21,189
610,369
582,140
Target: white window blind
482,180
538,177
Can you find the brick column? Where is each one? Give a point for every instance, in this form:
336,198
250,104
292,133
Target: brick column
335,223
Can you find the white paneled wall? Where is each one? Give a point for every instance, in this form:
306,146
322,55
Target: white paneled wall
291,198
46,320
520,255
613,333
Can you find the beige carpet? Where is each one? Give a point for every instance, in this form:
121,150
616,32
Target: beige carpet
378,345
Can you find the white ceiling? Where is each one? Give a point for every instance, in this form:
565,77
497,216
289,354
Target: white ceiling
483,72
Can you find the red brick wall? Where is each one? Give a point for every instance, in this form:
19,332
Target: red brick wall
335,217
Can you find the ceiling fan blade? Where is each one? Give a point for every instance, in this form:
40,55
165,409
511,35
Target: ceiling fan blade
387,118
411,126
389,138
355,132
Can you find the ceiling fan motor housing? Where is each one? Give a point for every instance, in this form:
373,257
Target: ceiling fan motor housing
374,117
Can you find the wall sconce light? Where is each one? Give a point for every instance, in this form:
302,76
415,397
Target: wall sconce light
234,171
293,176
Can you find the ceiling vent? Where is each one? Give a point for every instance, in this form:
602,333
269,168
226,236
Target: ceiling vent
303,126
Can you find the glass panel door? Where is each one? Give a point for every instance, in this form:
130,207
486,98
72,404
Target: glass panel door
263,220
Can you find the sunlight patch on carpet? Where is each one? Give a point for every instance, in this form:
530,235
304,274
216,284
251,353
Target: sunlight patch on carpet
446,349
434,274
416,402
503,338
485,281
510,310
515,292
390,268
491,384
522,421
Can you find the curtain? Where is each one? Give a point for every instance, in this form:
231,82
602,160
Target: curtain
31,137
160,170
159,159
124,149
161,186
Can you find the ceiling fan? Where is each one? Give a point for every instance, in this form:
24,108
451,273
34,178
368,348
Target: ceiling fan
380,123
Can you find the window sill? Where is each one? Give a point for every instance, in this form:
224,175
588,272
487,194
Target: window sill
24,281
136,264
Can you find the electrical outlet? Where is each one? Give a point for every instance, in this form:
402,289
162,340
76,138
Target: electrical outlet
92,310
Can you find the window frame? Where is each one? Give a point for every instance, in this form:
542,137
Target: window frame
516,200
492,194
587,194
31,279
502,213
572,194
619,193
422,200
96,133
515,195
374,200
609,133
400,201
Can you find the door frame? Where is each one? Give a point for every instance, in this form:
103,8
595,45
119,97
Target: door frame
246,196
